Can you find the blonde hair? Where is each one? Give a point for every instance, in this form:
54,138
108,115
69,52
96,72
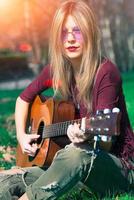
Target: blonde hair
62,69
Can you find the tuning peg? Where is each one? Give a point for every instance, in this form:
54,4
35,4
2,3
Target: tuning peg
92,119
99,117
106,111
99,112
115,110
96,138
98,129
106,129
105,138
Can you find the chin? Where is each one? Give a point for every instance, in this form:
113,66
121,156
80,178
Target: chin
73,55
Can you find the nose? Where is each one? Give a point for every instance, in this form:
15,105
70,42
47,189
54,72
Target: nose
70,37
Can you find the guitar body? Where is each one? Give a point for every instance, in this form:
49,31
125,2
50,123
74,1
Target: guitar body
43,114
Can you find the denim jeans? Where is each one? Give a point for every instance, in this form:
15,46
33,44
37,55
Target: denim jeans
70,165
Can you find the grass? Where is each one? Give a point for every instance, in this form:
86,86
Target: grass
128,86
8,137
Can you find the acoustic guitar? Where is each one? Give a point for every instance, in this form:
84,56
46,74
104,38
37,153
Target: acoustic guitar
50,119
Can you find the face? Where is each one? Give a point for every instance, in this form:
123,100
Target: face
72,39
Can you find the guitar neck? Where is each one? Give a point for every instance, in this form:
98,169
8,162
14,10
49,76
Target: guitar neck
106,124
57,129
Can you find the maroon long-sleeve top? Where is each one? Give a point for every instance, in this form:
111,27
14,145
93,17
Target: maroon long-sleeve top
107,93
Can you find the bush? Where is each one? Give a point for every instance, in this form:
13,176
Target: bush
14,66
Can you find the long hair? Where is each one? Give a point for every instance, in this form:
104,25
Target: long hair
61,65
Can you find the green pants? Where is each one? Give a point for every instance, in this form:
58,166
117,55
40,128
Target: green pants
69,166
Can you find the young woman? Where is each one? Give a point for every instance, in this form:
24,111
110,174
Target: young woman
78,71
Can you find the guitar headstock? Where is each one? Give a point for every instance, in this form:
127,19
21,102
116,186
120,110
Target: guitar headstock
104,124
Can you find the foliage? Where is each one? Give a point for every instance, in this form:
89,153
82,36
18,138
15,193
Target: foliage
14,66
7,53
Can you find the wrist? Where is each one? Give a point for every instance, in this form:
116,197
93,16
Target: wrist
20,135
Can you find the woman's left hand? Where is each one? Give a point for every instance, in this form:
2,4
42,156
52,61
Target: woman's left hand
76,133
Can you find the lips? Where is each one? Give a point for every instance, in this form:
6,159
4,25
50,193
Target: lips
72,48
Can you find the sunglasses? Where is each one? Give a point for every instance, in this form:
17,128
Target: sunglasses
76,32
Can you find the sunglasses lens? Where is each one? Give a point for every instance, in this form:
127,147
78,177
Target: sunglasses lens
75,32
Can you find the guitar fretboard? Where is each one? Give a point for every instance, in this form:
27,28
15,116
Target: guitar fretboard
57,129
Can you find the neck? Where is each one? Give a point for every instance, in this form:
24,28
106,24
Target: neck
76,66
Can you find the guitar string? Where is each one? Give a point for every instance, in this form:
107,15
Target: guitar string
54,127
62,123
59,129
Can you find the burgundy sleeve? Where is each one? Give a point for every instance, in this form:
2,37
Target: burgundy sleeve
41,83
109,88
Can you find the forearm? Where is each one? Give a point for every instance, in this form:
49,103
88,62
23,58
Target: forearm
21,112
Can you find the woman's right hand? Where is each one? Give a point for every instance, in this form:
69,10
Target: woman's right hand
28,143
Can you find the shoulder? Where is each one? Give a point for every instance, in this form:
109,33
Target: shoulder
47,69
108,66
108,69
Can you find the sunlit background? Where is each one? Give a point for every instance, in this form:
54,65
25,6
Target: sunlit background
24,29
20,19
25,25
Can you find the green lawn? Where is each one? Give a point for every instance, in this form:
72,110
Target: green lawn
128,86
7,127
